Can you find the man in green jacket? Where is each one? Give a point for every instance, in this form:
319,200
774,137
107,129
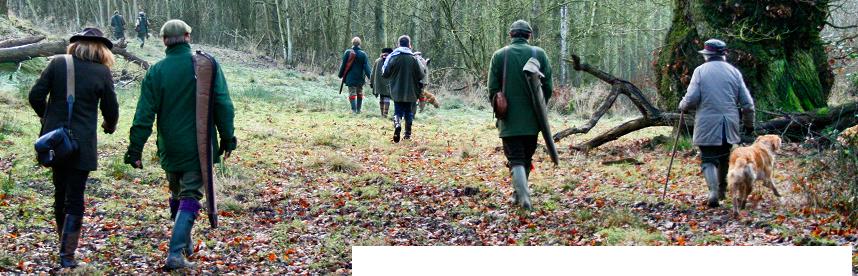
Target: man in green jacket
168,94
406,76
353,77
118,24
381,86
520,128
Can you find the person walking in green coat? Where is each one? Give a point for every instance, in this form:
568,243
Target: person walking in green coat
381,86
406,76
142,27
118,24
520,128
354,70
168,95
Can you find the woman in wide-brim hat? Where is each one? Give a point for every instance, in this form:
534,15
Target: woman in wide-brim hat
93,90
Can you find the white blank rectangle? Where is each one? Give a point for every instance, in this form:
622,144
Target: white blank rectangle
631,260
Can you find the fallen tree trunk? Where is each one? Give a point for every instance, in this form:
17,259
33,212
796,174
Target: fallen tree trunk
51,48
791,126
20,41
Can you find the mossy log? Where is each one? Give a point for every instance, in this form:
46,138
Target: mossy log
776,44
51,48
20,41
790,126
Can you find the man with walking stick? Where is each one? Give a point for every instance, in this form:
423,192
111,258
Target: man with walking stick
715,91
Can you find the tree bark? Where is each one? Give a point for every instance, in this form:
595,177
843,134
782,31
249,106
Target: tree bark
20,41
280,28
564,49
379,23
47,49
776,44
289,59
349,12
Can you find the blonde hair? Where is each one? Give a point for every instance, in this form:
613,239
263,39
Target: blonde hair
356,41
91,51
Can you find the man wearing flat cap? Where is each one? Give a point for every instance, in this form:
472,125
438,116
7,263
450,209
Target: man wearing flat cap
715,91
168,94
519,129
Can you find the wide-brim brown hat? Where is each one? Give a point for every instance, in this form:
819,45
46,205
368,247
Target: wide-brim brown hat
91,34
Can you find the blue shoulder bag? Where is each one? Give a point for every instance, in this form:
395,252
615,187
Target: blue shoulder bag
59,145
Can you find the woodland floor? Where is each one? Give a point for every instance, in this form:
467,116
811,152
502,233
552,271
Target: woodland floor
309,181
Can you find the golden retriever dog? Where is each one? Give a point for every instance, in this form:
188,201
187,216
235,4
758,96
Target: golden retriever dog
849,136
750,164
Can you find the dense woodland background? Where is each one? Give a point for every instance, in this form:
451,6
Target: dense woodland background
459,36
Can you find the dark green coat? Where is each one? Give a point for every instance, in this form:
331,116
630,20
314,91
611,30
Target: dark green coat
360,67
142,26
405,74
381,86
168,92
118,24
93,91
521,117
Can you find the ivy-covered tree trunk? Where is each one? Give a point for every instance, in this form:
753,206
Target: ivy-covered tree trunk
775,43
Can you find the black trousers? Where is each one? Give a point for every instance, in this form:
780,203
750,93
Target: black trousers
69,185
718,156
519,150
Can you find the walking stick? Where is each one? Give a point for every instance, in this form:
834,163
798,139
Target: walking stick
673,154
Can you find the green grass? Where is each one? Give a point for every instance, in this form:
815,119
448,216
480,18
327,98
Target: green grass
633,236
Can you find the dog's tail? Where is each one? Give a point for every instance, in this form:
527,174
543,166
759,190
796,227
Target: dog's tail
741,171
431,99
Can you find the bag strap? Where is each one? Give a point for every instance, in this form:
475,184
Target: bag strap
503,76
70,93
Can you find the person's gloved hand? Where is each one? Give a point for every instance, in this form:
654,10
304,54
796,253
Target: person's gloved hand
227,145
107,128
133,158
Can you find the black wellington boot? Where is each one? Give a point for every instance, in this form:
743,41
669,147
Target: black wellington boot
722,181
407,130
180,241
397,128
174,207
358,104
69,240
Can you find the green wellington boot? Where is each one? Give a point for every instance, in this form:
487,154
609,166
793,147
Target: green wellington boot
710,173
519,182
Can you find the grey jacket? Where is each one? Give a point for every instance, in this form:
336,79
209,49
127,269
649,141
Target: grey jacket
716,91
